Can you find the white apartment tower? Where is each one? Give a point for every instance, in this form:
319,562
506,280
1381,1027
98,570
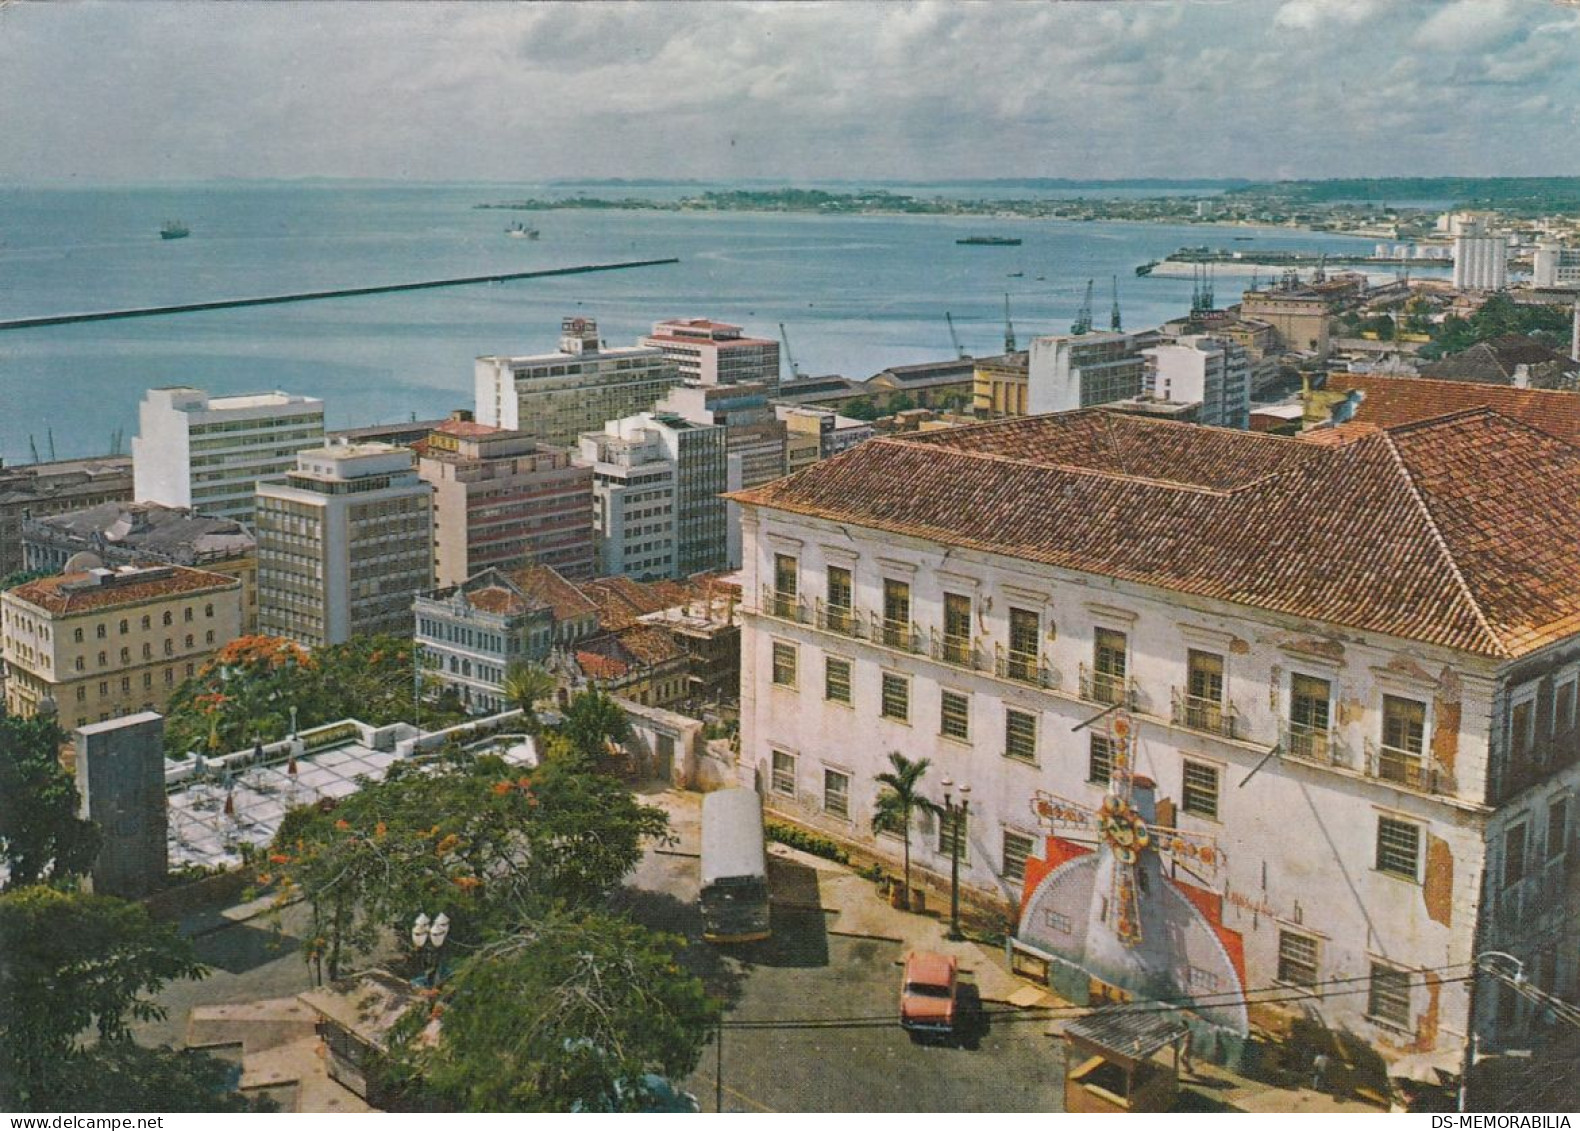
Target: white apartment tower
1200,369
1070,371
1554,265
558,396
344,544
1481,259
210,453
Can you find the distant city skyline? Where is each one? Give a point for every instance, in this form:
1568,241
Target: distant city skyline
107,92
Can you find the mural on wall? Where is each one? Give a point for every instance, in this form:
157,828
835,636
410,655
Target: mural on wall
1104,904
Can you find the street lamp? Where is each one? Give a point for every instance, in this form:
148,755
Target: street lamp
426,932
955,814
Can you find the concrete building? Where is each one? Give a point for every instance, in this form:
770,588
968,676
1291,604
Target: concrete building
106,643
1200,369
930,384
501,499
558,396
1481,258
1299,317
1554,265
835,433
39,490
657,481
1351,740
210,453
118,534
344,544
1070,371
715,353
999,385
120,768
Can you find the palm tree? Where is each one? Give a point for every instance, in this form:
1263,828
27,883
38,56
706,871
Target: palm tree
901,795
525,685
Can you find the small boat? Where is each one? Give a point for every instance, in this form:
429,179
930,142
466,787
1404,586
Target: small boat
174,230
990,241
1016,275
520,231
1244,239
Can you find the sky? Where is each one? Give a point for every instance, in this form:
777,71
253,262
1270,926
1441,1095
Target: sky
148,91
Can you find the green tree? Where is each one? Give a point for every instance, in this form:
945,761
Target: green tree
900,797
527,685
569,1014
23,576
593,721
41,836
483,842
125,1076
75,961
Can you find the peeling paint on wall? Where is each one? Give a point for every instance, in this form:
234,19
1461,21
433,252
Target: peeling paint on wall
1351,711
1445,731
1313,646
1438,889
1404,665
1239,647
1426,1024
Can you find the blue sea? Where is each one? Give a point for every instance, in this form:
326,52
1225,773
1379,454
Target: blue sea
856,294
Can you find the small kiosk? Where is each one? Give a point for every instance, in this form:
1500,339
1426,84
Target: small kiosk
1112,1062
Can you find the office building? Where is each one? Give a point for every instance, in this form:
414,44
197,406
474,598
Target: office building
558,396
344,544
1069,371
503,500
1554,265
1203,370
715,353
210,453
104,643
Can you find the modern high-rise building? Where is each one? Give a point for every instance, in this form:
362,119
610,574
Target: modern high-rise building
715,353
502,499
657,481
210,453
558,396
1554,265
1481,259
104,643
1199,369
1069,371
344,543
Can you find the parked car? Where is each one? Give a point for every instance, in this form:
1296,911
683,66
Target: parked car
930,993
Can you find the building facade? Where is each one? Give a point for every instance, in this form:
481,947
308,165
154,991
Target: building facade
501,499
118,534
1070,371
39,490
715,353
210,453
344,544
999,386
1355,743
106,643
1300,320
558,396
1199,369
1554,265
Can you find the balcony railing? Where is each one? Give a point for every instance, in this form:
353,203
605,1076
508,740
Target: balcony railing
956,650
901,634
1314,744
838,618
1024,667
1107,688
784,606
1211,716
1411,769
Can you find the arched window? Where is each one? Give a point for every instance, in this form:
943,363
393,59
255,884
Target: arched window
126,626
148,622
169,619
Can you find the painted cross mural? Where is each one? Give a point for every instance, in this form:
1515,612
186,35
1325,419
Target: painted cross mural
1101,903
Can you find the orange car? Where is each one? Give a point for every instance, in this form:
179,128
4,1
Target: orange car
929,993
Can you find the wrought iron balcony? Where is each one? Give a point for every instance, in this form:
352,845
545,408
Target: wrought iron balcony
1107,688
784,606
839,618
956,650
1409,768
1024,667
901,634
1313,744
1210,716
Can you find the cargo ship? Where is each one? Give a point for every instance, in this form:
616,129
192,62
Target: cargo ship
990,241
174,230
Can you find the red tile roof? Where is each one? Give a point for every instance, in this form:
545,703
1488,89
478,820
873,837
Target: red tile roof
69,594
1404,400
1457,531
543,583
621,600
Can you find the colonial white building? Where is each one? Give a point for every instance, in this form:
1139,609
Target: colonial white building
1349,663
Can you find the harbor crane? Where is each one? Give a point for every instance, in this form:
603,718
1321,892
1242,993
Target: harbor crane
954,337
1114,322
1009,327
795,370
1083,317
